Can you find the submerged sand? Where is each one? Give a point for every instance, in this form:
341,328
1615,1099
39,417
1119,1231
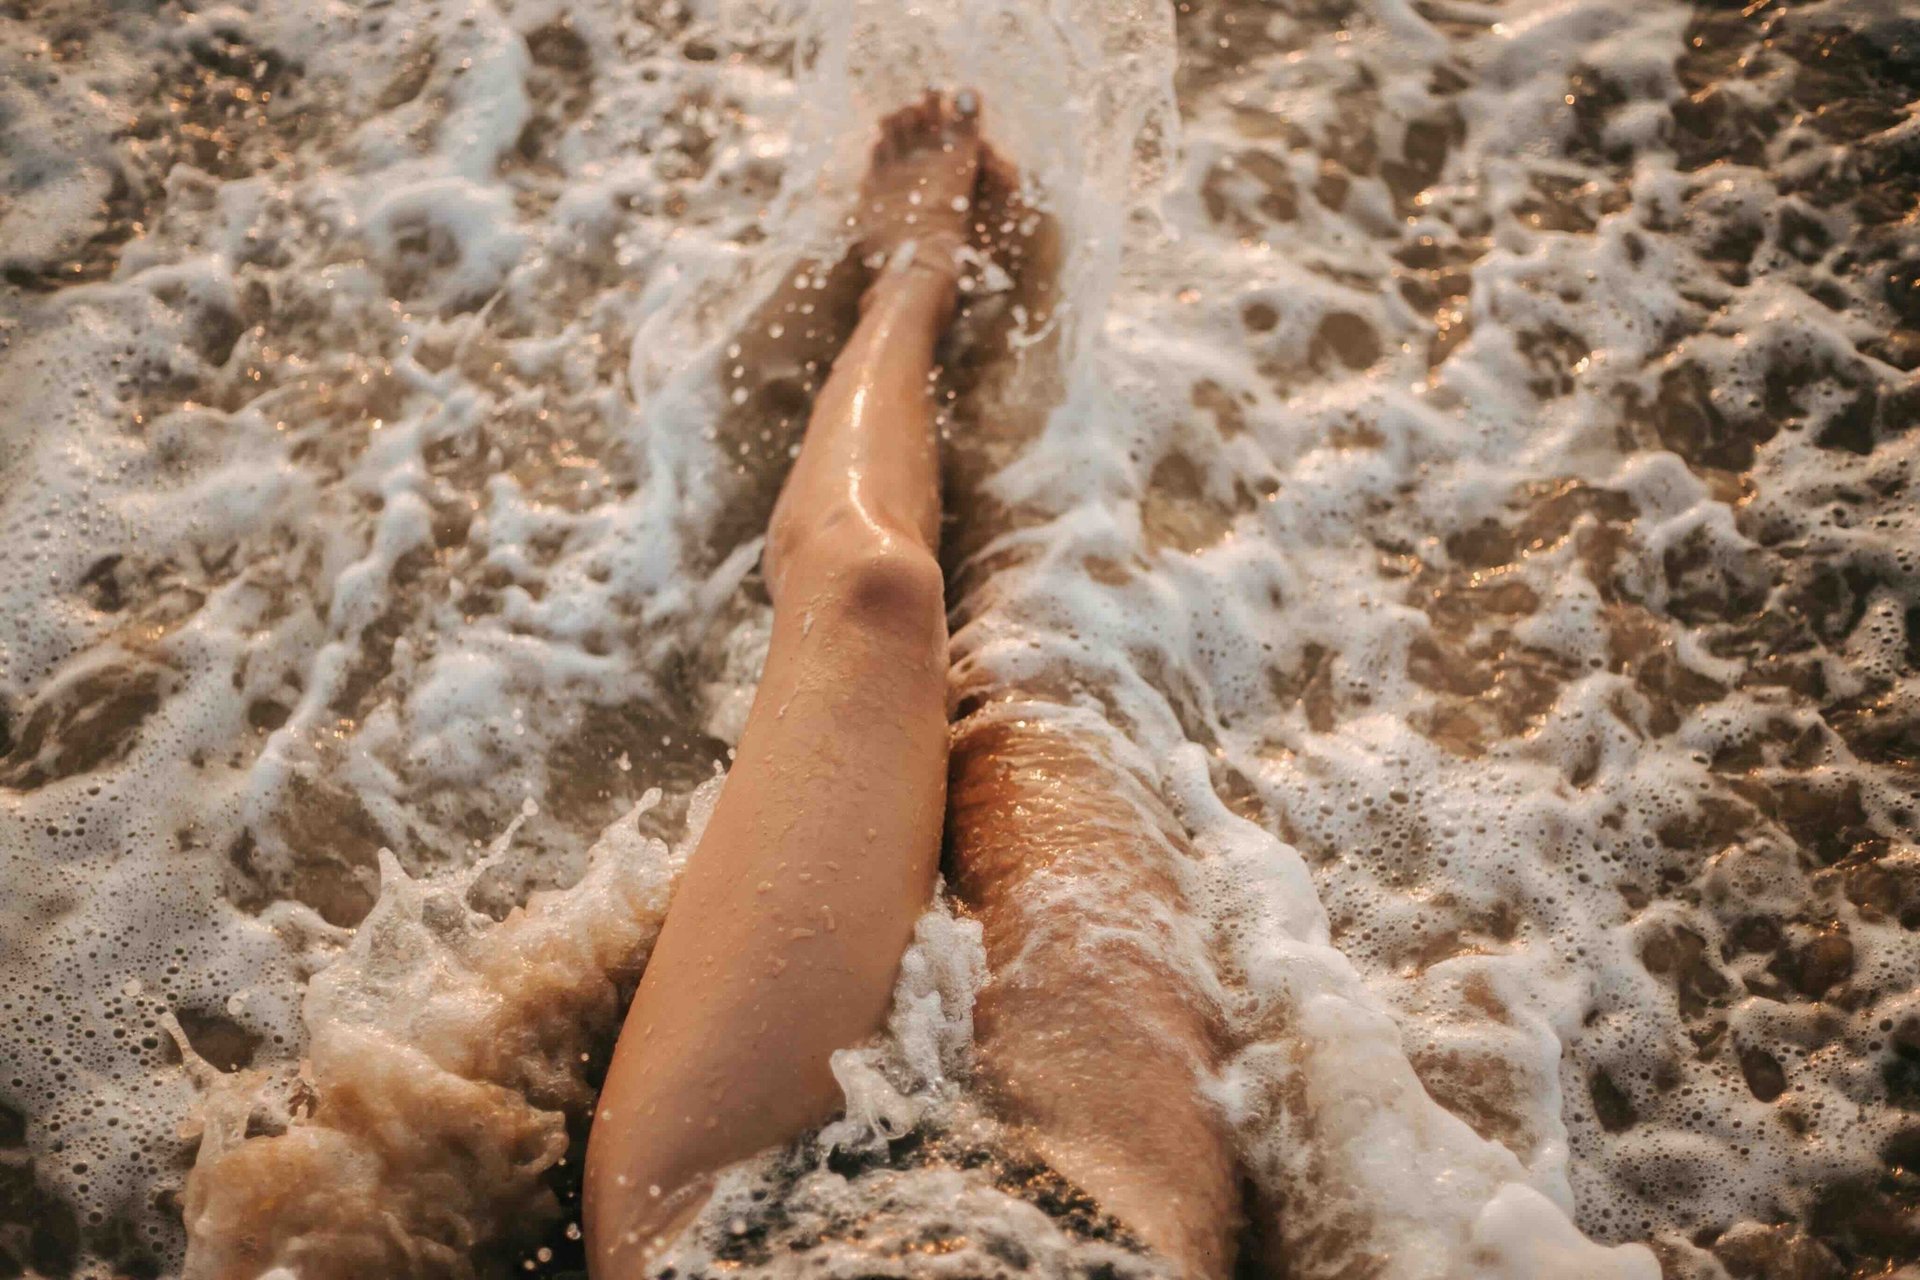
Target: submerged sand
1462,454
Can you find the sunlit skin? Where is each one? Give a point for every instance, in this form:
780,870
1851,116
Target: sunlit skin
787,928
786,931
1092,1045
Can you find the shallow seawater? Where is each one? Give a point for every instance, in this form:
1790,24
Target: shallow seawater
1463,451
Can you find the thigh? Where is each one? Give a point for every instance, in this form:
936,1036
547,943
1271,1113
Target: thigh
1091,1032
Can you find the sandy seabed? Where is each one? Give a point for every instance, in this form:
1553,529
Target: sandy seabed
1463,453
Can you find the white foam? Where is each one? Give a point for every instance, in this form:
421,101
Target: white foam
387,567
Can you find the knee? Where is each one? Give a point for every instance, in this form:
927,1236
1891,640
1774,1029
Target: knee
897,585
872,579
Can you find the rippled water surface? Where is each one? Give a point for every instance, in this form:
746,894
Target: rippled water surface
1462,454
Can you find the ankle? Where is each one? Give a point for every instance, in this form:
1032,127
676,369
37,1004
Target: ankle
931,255
915,287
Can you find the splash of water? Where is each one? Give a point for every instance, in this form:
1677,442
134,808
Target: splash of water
1439,459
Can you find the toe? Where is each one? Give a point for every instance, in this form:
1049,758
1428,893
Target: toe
997,173
906,133
960,121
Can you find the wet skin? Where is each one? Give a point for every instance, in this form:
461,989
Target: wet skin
786,931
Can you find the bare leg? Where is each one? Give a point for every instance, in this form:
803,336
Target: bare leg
1086,1035
787,929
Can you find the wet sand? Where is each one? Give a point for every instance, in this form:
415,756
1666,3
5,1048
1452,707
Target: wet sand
1472,445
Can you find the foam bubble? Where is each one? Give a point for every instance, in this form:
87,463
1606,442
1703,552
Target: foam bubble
1472,451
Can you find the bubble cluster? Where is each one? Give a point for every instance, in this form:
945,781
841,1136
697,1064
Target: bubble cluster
1465,457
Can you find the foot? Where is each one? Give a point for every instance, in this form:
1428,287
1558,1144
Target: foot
916,203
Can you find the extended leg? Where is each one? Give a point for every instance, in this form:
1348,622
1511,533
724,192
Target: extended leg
786,930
